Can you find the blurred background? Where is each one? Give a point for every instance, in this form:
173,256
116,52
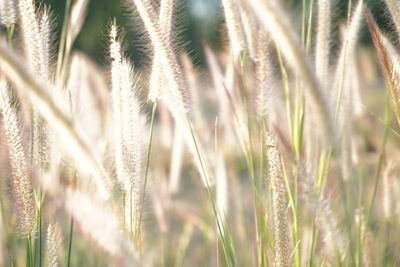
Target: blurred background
198,22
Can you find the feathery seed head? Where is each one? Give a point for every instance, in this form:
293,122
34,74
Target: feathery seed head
30,33
46,42
250,28
279,203
391,77
77,145
394,8
22,187
165,22
129,128
335,243
176,88
234,25
129,123
277,24
369,250
7,13
52,246
322,46
263,72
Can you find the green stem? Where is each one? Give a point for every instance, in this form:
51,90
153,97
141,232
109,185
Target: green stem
388,119
61,48
40,233
303,22
257,203
313,245
227,243
71,230
309,27
10,33
382,121
262,254
147,169
29,259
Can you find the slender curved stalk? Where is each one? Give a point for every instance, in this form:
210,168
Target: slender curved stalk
147,169
71,230
382,150
29,260
61,48
40,231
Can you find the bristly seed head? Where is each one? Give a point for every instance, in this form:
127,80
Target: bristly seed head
279,203
22,187
8,12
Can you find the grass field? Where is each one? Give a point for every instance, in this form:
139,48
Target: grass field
281,151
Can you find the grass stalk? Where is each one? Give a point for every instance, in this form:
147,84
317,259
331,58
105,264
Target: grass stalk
226,239
70,237
10,33
388,119
294,207
313,245
309,26
63,37
29,258
138,228
40,229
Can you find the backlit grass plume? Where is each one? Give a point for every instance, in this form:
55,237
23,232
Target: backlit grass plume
205,183
346,52
165,22
36,34
129,128
279,204
177,88
79,149
323,39
250,28
21,180
263,72
272,17
8,13
52,246
234,25
335,243
391,77
175,95
31,36
394,9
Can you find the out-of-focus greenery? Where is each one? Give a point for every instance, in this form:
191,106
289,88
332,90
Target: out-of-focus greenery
198,22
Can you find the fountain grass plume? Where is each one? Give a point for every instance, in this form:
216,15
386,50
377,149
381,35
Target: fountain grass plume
322,45
8,13
275,21
21,181
234,25
75,142
279,204
391,77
